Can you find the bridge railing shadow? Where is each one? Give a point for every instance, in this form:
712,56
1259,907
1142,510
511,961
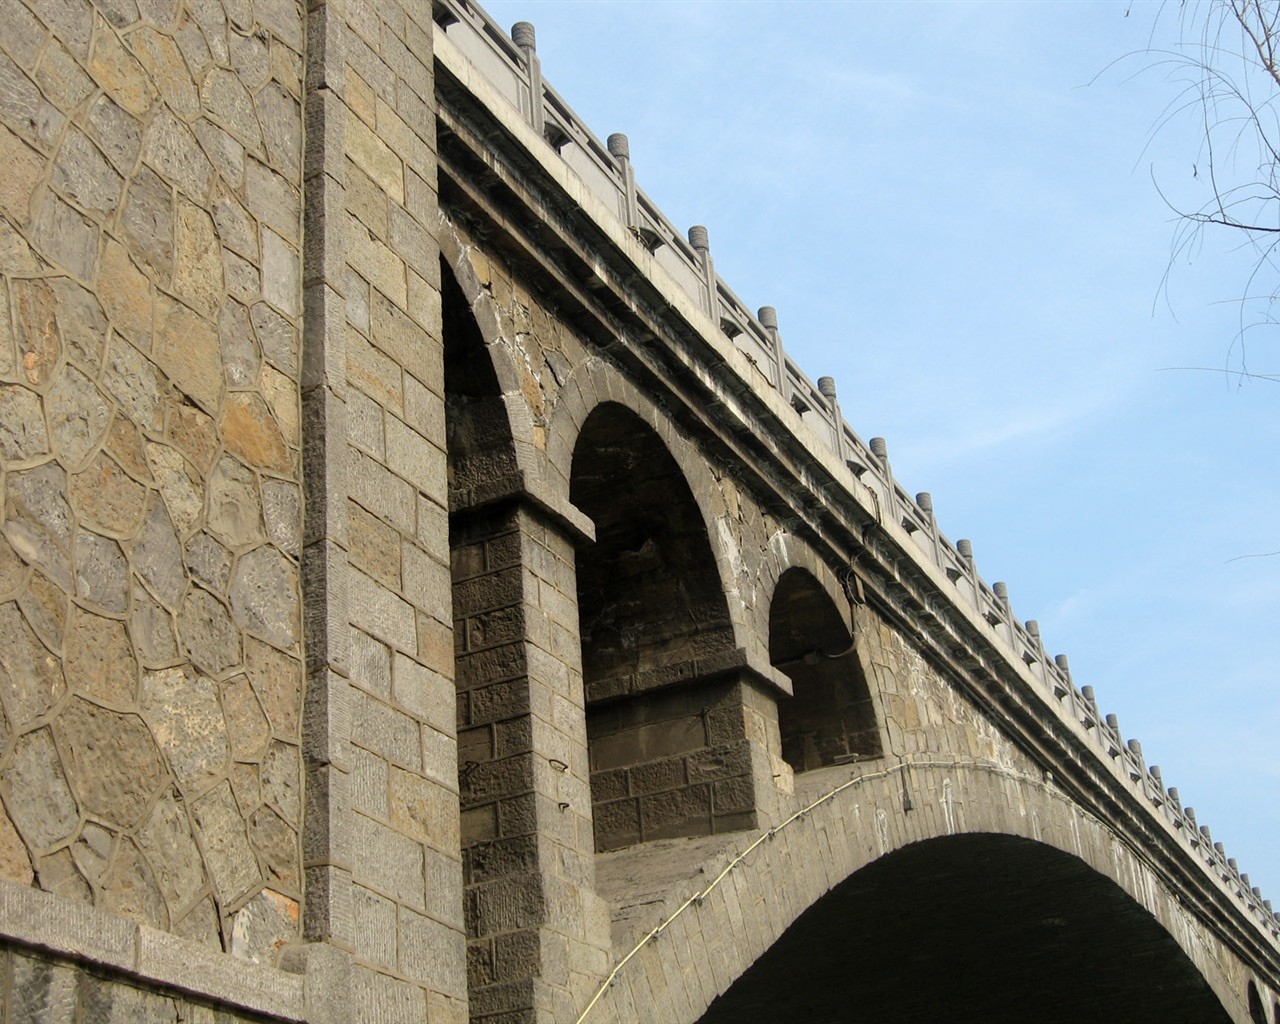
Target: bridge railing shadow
510,64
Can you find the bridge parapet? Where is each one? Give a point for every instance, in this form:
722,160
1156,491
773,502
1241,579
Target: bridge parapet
512,68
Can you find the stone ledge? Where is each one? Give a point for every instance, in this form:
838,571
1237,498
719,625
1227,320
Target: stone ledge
41,920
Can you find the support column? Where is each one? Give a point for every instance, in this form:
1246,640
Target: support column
538,935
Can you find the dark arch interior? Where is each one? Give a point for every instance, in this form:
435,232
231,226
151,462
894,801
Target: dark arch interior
1257,1012
979,929
830,719
653,618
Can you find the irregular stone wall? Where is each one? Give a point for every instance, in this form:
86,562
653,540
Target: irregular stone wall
150,626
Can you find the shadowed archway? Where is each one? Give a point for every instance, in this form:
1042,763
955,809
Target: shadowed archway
983,928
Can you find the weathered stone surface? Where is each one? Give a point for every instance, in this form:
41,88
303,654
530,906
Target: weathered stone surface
277,679
209,562
44,605
278,337
124,442
247,725
228,854
147,222
81,323
157,557
200,924
112,764
120,74
116,132
38,520
282,510
106,498
22,428
15,862
125,292
197,271
235,511
100,660
282,397
186,349
102,574
66,237
85,176
172,150
250,58
38,799
159,54
264,596
39,343
182,710
250,432
31,679
131,379
282,780
236,229
273,199
166,841
24,168
13,573
193,433
129,888
226,154
239,353
246,784
263,926
207,632
92,850
281,274
8,343
153,631
61,78
228,102
16,256
57,873
182,496
78,416
280,117
194,47
277,845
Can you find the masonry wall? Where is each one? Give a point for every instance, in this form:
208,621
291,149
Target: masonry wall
150,629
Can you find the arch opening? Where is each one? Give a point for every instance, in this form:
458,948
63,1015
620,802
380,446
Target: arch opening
984,928
831,718
665,726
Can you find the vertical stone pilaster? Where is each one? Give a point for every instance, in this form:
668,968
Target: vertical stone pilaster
538,934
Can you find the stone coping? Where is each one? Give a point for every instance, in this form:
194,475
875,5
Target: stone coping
41,920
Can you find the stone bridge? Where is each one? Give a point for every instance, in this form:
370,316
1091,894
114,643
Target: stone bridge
427,593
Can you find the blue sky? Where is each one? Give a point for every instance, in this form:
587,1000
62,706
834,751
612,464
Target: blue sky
954,208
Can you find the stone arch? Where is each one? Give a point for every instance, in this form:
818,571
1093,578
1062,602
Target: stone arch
663,683
830,717
594,382
705,936
1257,1011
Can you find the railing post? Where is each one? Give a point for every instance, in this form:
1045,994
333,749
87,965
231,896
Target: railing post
701,243
522,34
768,317
620,150
827,388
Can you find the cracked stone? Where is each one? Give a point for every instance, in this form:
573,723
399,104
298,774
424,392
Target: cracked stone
85,176
277,844
250,432
227,851
116,131
129,888
197,271
226,154
264,596
282,396
264,926
31,680
200,924
186,349
58,874
81,322
159,54
132,380
181,495
282,780
166,840
147,222
78,416
277,337
102,574
13,573
172,150
120,74
181,707
45,608
22,429
281,508
39,800
209,562
66,237
207,632
247,724
38,520
152,630
126,293
92,850
235,513
112,765
15,862
277,679
280,117
100,659
193,433
239,353
157,557
108,499
34,307
225,97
